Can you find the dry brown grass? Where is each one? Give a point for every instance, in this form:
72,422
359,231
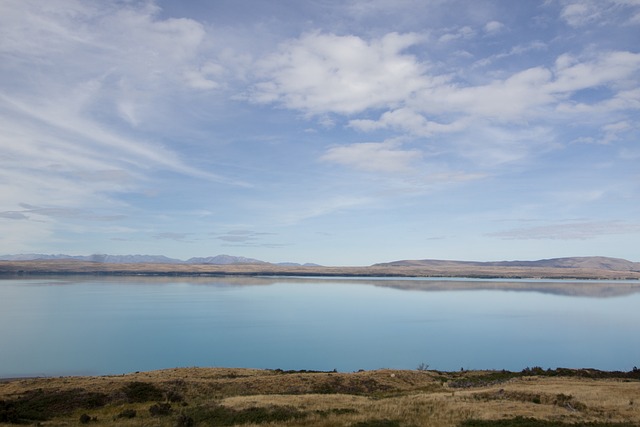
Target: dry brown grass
408,398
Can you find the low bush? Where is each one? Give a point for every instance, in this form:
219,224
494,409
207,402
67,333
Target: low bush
127,413
140,392
184,421
160,410
41,405
218,415
86,419
532,422
378,423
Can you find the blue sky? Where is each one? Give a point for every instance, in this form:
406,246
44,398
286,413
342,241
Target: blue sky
337,132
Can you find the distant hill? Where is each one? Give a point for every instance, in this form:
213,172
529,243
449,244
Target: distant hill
571,267
224,260
599,263
295,264
144,265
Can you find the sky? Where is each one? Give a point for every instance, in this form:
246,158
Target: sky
338,132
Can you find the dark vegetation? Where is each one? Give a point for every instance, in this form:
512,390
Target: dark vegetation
160,409
378,423
468,379
142,392
127,413
582,373
562,400
39,405
218,415
532,422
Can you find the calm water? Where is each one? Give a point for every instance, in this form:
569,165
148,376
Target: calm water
108,326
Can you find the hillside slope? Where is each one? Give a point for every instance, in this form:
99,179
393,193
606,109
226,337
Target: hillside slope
596,263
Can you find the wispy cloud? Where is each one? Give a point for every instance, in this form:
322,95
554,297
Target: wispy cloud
244,236
604,12
298,212
13,215
450,35
569,231
374,157
83,84
177,237
248,239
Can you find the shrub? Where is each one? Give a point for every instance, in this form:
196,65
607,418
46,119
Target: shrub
532,422
41,405
222,416
127,413
174,397
139,392
185,421
378,423
160,409
86,419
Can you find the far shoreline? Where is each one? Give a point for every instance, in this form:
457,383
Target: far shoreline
39,268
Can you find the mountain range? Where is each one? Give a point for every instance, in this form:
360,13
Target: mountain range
145,259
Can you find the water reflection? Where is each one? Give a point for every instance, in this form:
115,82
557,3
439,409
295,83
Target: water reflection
574,288
101,325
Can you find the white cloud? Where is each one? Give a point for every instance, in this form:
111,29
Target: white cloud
502,100
622,100
205,77
609,68
320,73
409,121
493,27
374,157
533,92
579,14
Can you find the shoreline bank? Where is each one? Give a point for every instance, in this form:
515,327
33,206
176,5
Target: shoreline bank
237,396
65,267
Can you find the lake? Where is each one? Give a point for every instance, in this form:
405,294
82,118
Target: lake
103,325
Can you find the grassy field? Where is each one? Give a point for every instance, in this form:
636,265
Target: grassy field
220,396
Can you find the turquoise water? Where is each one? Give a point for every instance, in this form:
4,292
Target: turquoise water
115,325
